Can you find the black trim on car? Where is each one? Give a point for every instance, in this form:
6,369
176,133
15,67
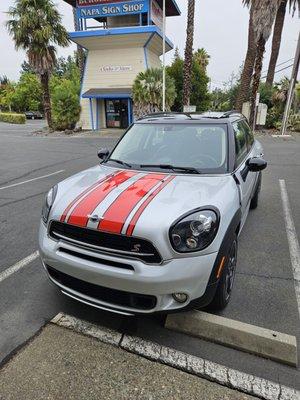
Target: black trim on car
107,295
229,236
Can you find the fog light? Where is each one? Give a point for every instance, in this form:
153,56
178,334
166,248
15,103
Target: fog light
180,297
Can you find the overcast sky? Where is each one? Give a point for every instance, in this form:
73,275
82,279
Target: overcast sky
220,27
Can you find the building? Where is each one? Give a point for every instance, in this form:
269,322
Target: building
122,38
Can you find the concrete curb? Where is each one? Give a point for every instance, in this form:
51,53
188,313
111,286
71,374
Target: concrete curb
222,375
250,338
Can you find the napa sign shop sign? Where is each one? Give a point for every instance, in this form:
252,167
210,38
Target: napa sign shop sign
108,8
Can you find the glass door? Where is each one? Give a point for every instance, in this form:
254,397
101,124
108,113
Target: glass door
116,113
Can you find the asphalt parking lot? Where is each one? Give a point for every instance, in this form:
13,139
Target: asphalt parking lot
264,292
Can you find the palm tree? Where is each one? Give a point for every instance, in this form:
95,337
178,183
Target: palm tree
277,35
35,26
188,55
262,16
147,92
246,76
263,19
80,56
202,58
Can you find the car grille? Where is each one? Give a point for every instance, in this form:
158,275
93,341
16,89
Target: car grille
103,294
103,242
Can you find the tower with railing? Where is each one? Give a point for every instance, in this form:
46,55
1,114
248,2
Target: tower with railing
122,38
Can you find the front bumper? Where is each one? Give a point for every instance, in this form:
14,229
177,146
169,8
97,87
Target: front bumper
188,275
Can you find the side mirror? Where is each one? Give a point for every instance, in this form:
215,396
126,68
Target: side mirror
256,164
103,154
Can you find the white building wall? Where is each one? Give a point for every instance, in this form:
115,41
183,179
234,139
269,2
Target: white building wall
95,78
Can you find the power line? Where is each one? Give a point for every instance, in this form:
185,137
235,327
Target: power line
282,69
278,65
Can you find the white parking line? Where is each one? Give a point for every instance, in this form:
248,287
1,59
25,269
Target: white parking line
292,238
31,180
19,265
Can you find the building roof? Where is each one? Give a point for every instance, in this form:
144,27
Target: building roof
172,8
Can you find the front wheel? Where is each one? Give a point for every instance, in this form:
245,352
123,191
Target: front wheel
225,286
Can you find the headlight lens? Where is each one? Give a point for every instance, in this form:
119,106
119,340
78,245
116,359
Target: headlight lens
194,232
49,200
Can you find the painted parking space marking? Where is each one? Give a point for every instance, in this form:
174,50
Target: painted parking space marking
19,265
200,367
292,238
32,180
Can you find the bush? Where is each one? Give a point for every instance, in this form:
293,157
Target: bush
13,118
65,105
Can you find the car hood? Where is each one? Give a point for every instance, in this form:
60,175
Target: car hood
140,203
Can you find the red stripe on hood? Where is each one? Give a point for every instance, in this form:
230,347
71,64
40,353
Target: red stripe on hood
65,213
87,205
116,215
144,205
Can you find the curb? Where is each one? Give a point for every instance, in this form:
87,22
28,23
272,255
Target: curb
220,374
239,335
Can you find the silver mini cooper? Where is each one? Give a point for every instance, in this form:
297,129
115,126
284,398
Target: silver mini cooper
154,227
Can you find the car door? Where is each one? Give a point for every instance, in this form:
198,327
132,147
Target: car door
244,149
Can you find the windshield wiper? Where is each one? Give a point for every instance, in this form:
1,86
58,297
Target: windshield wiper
191,170
120,162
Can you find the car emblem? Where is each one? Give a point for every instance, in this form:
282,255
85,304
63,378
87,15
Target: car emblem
94,218
136,248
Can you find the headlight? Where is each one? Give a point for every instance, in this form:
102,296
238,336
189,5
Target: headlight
49,200
194,232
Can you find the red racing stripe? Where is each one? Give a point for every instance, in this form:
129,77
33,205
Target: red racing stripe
65,213
87,205
118,212
143,206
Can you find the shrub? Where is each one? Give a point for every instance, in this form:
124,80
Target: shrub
65,105
13,118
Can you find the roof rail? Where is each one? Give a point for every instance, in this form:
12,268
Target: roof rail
164,114
229,113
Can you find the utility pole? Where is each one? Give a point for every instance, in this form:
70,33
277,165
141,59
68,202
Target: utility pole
291,89
164,57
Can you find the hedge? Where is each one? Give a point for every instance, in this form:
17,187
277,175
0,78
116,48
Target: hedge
13,118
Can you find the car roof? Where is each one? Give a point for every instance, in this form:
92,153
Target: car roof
208,117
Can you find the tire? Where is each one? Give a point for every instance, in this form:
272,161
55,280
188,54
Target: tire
225,286
254,201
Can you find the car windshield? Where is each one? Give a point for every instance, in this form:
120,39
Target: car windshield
196,148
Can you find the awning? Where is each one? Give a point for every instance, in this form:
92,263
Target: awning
109,93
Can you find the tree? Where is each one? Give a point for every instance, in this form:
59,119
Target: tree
244,89
202,58
199,83
147,92
80,55
36,28
66,105
27,94
188,55
262,16
277,35
263,19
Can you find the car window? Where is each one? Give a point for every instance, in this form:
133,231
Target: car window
240,142
201,146
249,133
